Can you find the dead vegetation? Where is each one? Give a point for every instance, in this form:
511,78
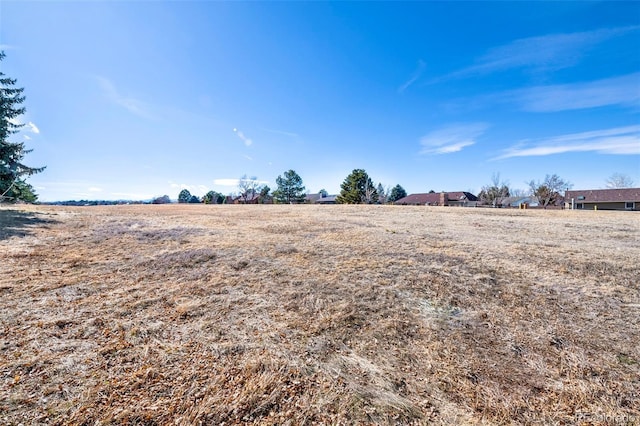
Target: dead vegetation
318,315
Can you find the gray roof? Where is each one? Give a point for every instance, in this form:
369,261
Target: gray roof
604,195
312,197
327,199
434,198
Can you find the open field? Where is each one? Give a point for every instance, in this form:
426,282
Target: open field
180,314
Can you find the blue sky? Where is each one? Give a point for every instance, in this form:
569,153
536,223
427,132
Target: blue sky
129,100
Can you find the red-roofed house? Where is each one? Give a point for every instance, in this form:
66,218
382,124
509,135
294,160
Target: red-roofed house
603,199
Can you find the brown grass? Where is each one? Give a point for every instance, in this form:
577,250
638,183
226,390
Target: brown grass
318,315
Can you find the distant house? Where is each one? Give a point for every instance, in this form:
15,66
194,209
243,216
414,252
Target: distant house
320,198
603,199
329,199
251,197
518,202
459,198
312,198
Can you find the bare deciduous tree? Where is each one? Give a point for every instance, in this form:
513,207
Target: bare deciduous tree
248,188
517,192
383,193
370,193
495,193
619,180
550,190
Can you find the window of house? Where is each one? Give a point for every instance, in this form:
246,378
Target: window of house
630,205
580,206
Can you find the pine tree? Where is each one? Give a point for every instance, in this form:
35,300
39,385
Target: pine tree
396,193
213,197
290,188
12,171
184,196
264,196
357,188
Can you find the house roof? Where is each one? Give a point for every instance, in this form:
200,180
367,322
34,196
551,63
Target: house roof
604,195
311,198
253,196
318,198
328,199
430,198
460,195
434,197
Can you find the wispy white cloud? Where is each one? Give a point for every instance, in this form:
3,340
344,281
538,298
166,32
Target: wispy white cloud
25,127
542,53
623,90
64,190
248,157
234,182
226,182
132,105
27,137
414,77
131,195
178,185
189,187
620,91
246,140
452,138
618,140
281,132
33,128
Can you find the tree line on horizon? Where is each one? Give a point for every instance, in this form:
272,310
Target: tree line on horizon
358,188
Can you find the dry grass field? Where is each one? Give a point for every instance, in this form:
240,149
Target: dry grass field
193,314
